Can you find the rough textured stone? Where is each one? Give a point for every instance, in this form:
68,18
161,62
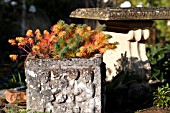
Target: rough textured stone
133,13
65,86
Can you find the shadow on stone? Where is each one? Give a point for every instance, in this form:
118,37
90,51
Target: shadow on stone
129,91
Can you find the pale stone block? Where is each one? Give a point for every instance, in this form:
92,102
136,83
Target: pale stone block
131,48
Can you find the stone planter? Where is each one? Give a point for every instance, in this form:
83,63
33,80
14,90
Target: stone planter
65,85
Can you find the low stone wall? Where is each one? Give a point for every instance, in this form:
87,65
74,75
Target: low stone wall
65,86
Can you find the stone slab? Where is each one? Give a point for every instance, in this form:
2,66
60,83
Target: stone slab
133,13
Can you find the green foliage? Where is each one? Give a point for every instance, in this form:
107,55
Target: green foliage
158,56
146,3
163,3
19,79
163,31
16,79
79,41
162,96
39,112
136,2
16,109
21,111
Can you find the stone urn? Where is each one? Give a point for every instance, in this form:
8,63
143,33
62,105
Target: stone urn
74,85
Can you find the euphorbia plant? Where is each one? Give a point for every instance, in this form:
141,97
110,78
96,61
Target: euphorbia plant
63,41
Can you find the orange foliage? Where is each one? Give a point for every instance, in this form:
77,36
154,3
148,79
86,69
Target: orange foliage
63,39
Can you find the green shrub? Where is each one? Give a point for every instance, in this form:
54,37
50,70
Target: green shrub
158,56
162,96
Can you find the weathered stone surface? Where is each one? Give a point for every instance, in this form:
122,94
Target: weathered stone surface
133,13
65,86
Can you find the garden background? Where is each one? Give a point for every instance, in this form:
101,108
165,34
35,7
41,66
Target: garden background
17,16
